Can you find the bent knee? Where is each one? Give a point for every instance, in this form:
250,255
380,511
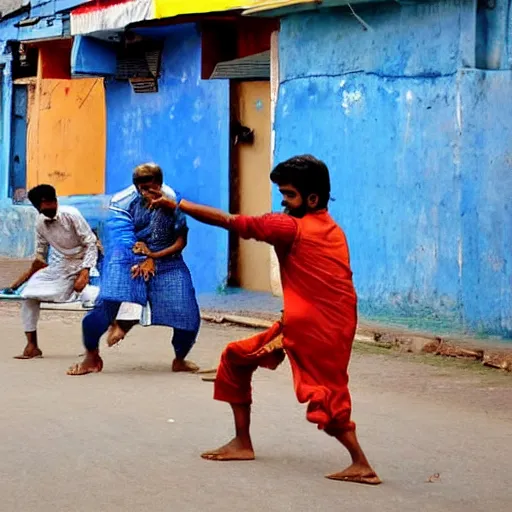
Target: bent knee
229,352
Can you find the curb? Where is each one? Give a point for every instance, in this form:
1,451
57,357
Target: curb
376,337
403,343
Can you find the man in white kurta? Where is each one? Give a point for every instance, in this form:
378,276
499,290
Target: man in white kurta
65,230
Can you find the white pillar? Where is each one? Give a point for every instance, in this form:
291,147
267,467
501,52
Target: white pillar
275,276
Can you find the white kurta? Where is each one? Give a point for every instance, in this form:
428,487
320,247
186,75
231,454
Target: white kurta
74,247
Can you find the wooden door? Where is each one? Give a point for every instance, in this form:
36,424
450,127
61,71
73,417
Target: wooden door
251,102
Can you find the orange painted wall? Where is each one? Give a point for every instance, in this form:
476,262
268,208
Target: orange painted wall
66,135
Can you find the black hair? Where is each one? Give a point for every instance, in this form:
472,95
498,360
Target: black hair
41,193
147,173
307,174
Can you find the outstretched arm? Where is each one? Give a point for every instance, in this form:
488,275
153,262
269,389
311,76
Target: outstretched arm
199,212
206,214
273,228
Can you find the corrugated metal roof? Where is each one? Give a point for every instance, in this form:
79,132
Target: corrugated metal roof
11,6
254,67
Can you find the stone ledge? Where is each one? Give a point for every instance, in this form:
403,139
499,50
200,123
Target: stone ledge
401,341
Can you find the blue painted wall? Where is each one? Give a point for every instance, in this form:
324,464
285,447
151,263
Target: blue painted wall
418,154
92,57
18,167
7,33
184,128
486,210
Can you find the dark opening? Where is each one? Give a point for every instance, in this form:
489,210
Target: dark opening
24,61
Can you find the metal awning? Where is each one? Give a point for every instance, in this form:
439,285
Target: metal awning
276,8
268,7
254,67
109,15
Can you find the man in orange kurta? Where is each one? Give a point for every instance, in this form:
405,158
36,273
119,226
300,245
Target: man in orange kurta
320,313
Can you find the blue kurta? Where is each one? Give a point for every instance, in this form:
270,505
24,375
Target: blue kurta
170,292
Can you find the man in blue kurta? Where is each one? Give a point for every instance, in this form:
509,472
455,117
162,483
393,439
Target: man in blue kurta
144,265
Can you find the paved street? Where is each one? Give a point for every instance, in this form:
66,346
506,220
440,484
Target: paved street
129,439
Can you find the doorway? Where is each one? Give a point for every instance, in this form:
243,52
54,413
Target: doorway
250,187
18,164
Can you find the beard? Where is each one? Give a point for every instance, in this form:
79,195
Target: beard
298,213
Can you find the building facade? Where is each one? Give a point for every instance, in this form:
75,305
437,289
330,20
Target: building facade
408,103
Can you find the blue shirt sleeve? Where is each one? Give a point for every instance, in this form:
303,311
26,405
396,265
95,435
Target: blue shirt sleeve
180,223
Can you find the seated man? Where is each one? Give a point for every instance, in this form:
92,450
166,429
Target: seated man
135,278
64,229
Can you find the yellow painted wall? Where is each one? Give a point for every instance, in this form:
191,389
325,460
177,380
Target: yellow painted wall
66,139
169,8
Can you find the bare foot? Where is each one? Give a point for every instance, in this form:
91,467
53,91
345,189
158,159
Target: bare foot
92,363
234,450
30,352
115,335
181,365
357,473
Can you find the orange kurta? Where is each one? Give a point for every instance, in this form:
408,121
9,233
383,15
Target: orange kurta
319,321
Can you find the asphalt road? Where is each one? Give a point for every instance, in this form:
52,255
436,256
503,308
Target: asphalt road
129,439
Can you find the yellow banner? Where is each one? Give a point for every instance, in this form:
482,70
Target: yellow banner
170,8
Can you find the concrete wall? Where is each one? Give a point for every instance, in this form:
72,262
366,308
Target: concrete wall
485,190
184,128
418,154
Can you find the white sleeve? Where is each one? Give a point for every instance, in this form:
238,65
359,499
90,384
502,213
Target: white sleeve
88,239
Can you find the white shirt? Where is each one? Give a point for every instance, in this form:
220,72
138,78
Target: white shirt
68,234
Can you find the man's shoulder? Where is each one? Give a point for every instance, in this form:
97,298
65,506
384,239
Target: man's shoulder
168,191
124,197
39,222
321,223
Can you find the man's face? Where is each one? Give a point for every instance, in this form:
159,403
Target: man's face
48,208
145,189
293,202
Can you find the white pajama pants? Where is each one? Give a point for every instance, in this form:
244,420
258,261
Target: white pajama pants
31,310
